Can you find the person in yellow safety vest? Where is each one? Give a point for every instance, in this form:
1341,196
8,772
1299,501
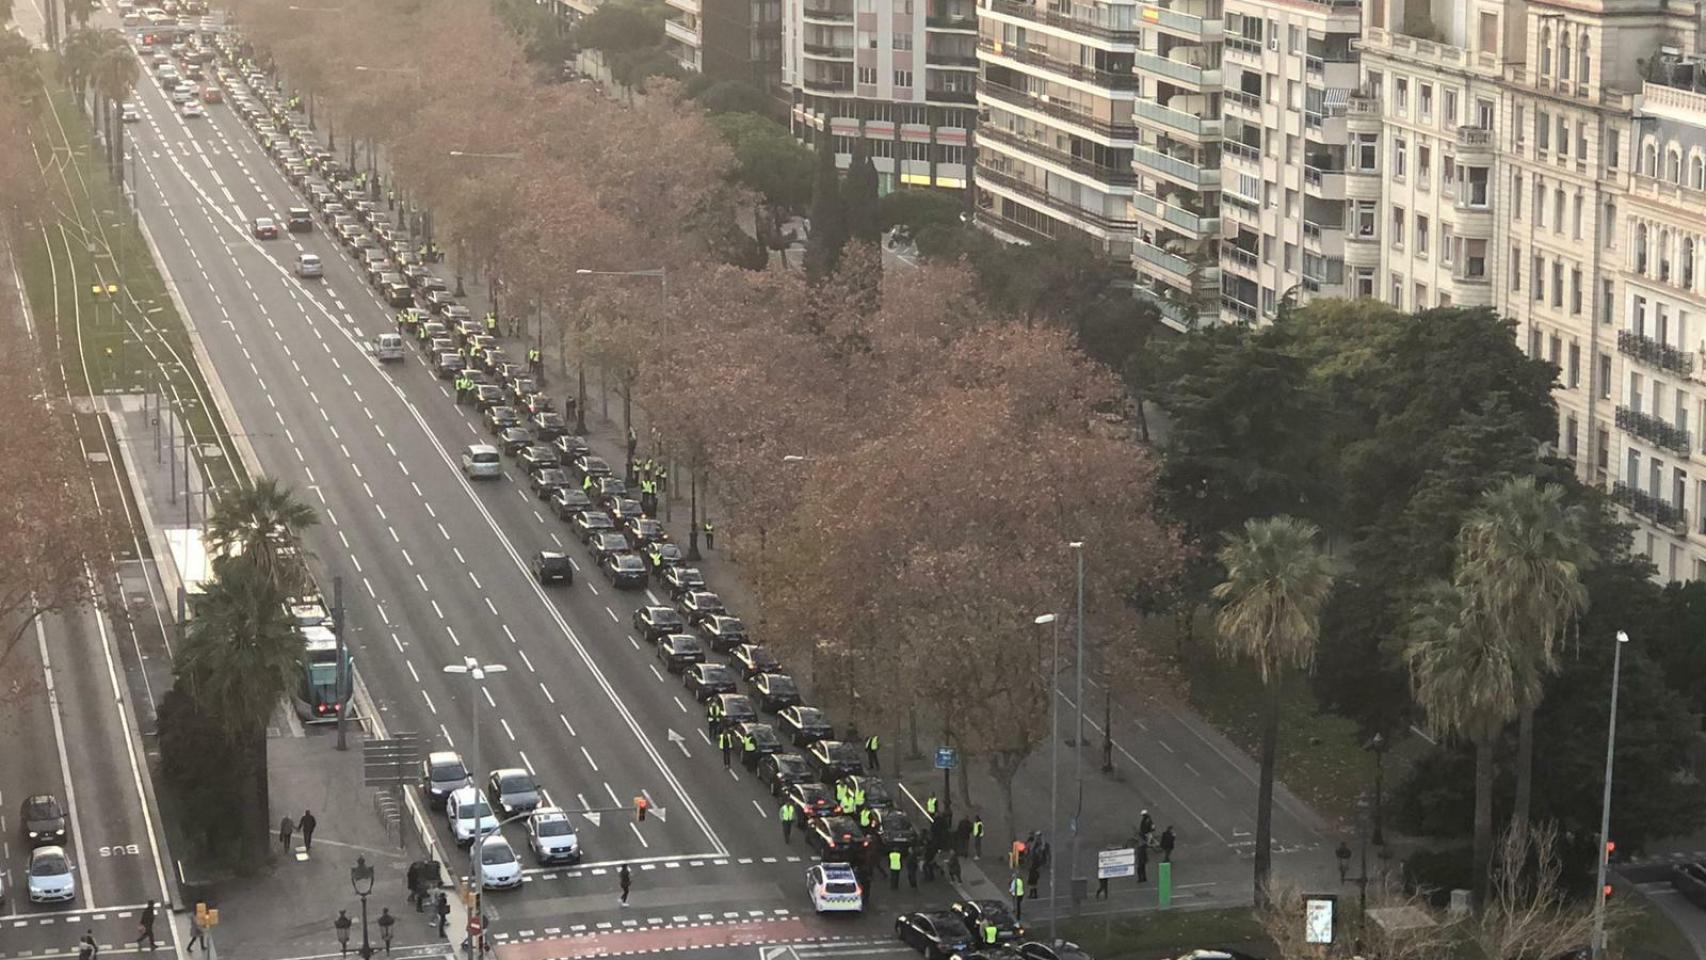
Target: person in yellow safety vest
990,933
587,483
725,743
841,797
491,323
748,751
865,818
894,869
787,815
858,796
930,807
713,708
872,745
1017,890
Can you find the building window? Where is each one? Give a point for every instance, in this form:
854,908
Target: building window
1605,376
867,74
902,40
1401,94
1537,278
1425,100
1557,283
1584,62
1576,217
1610,227
1446,253
1574,368
1564,52
1448,108
1421,296
1365,283
1516,269
1673,165
1563,137
1641,249
1542,131
1576,291
1516,195
1570,436
1558,209
1607,300
1485,113
1400,156
1365,218
1546,51
903,78
1397,293
1519,129
1611,145
1424,166
1366,147
1398,218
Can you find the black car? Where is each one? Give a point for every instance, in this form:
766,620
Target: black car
893,829
735,708
641,531
764,741
513,440
934,933
775,691
448,365
568,502
683,580
547,482
443,773
1066,950
573,447
487,395
586,464
662,556
588,522
805,724
705,680
837,839
549,424
299,220
549,567
754,659
1689,879
721,631
873,792
654,622
605,545
539,456
975,913
678,651
781,770
501,418
43,821
810,798
833,760
621,509
624,571
608,490
699,604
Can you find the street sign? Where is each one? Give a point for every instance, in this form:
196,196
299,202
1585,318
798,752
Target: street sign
391,762
1319,911
947,758
1116,863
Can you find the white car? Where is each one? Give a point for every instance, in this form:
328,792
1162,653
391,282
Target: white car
481,461
551,836
191,110
50,876
466,807
500,868
129,114
834,889
184,93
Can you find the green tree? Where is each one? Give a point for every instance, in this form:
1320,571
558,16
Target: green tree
828,220
259,523
768,160
1523,551
1277,581
859,196
79,11
113,76
921,209
618,27
733,96
1469,684
239,658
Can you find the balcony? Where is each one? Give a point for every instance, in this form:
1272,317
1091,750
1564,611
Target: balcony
1362,184
938,58
1019,98
1188,172
681,33
1196,126
1474,143
1172,264
827,13
1644,504
834,86
1035,14
1247,104
1655,352
949,95
1239,150
1110,79
1241,50
1238,256
1362,114
1327,184
1178,217
1189,24
1179,71
956,24
1056,206
1111,177
1653,430
829,51
1238,308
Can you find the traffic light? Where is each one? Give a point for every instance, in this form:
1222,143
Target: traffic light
1606,893
1610,848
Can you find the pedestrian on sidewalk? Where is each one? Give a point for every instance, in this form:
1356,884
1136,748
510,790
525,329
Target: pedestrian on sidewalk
1167,840
787,822
953,866
912,871
624,880
386,922
87,949
1142,864
633,444
710,536
197,933
977,837
284,829
416,893
145,926
1344,855
894,869
442,910
307,825
1145,828
1016,889
1101,888
962,835
1036,874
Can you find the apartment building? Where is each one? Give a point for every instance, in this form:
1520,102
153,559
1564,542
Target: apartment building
738,40
1289,69
898,74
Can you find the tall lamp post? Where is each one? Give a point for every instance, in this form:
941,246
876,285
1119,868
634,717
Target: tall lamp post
476,672
361,879
1078,709
1605,802
1052,621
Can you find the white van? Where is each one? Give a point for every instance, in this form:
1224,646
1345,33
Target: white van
308,266
387,348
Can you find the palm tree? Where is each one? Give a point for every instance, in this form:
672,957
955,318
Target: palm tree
80,11
239,659
1522,552
113,75
77,59
6,11
1470,683
259,521
1277,581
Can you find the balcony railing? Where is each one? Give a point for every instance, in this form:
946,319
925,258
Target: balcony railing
827,50
1177,216
1652,429
1183,22
1120,131
1174,69
1248,101
1058,205
951,22
1238,308
947,95
1241,150
1241,45
1656,509
1110,175
940,58
1655,352
1112,79
827,85
1027,11
1239,255
1177,119
1187,170
828,13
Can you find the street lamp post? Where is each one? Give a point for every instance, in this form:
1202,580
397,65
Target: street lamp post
361,880
1605,803
1050,620
1078,709
476,673
1377,745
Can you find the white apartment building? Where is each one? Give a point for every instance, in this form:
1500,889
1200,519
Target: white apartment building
897,73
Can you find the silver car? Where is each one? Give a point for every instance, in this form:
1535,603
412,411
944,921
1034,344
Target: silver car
481,461
551,836
50,876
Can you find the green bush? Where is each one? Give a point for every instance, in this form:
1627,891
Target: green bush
1438,872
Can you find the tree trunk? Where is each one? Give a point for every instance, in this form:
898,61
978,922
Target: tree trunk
1483,816
1524,772
1004,779
1265,789
915,750
258,837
